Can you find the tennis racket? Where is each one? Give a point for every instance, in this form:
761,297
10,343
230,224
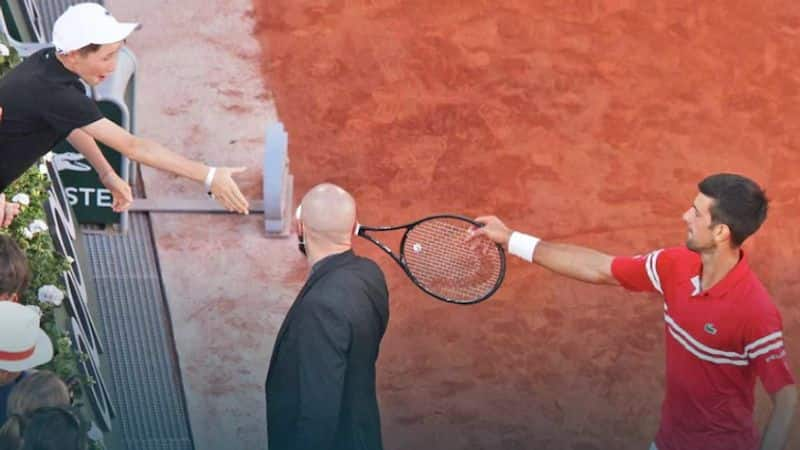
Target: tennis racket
437,256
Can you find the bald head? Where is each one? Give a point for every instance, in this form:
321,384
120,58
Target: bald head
328,210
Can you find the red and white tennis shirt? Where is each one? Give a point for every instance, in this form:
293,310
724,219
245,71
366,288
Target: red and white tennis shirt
717,342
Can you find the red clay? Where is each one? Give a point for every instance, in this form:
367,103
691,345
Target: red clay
584,121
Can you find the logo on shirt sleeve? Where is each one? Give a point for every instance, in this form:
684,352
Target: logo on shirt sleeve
774,356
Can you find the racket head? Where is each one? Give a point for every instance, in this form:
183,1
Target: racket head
440,259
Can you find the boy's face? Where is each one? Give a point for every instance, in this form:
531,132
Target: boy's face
94,67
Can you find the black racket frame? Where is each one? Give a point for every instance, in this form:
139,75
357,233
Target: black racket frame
401,259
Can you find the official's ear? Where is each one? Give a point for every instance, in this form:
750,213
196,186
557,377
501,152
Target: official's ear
298,226
296,222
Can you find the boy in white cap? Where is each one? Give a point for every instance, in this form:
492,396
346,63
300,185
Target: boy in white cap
43,103
23,346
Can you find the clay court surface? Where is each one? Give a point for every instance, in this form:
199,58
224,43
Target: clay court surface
583,121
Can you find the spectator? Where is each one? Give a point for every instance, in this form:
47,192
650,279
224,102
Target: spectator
14,271
44,103
23,346
40,389
53,429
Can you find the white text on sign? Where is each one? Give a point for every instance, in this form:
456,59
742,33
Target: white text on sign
89,196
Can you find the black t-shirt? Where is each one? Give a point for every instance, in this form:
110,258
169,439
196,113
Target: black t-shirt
42,103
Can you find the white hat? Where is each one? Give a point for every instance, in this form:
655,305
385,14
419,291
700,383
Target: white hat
88,23
23,345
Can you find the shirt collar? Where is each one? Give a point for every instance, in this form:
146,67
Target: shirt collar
328,258
56,70
732,279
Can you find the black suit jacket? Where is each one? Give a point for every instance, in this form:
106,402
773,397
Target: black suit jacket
320,386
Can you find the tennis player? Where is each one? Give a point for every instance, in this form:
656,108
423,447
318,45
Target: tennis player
722,329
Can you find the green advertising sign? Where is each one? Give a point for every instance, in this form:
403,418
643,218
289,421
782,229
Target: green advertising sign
90,200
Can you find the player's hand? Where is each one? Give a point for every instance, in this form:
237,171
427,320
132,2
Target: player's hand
227,192
493,228
8,211
120,191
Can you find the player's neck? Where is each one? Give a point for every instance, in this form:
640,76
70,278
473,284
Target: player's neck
717,264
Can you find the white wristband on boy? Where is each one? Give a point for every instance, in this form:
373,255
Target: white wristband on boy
209,179
522,245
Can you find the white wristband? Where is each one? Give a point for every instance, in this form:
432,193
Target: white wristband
210,179
522,245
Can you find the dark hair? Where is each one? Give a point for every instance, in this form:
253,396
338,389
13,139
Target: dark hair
739,203
11,432
14,271
37,390
53,429
91,48
87,49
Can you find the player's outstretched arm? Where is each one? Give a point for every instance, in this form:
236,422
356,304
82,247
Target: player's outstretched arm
152,154
783,405
576,262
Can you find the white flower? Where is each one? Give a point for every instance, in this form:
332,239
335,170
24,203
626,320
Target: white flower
22,198
27,233
42,169
37,226
48,156
4,51
51,294
70,260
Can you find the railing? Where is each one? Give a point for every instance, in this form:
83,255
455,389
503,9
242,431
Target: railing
78,320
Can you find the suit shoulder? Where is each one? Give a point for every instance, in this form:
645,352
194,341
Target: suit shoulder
360,270
358,275
369,265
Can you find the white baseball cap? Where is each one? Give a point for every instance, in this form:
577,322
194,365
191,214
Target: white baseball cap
88,23
23,345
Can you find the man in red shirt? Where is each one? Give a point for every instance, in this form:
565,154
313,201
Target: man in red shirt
722,330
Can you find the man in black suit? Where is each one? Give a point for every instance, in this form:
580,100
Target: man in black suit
321,382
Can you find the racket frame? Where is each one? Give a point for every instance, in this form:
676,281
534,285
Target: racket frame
400,259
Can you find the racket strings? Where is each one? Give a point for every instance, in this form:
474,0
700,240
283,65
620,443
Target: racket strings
441,258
